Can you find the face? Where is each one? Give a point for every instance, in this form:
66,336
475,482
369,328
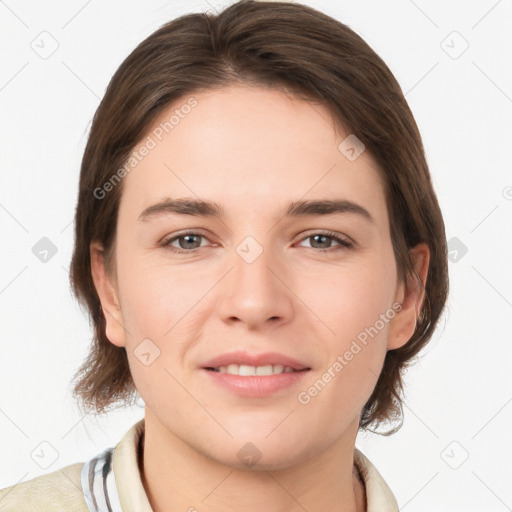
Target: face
268,283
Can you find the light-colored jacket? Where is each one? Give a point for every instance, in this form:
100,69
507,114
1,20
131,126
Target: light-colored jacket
111,482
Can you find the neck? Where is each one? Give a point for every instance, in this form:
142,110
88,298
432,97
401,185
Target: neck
178,477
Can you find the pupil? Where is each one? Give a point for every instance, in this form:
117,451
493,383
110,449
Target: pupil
324,244
186,245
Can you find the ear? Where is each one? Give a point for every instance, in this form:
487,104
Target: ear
107,292
411,296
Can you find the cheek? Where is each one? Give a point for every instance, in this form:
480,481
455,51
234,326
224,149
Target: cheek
356,308
157,307
347,300
156,296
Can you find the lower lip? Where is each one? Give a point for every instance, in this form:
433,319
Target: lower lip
259,385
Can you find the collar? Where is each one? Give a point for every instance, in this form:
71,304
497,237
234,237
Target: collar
111,481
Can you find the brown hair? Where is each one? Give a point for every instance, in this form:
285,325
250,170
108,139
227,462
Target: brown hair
282,45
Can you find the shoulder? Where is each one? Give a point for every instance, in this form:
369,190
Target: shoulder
56,491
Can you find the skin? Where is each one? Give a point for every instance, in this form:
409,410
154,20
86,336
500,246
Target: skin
253,150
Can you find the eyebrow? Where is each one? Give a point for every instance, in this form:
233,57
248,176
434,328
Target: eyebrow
200,208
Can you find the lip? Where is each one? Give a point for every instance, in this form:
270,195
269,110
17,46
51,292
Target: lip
264,359
254,386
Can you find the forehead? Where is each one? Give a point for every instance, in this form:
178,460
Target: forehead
245,147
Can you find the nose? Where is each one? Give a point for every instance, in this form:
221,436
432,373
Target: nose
255,293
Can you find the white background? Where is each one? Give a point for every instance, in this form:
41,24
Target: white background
460,388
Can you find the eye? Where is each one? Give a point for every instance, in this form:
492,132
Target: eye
322,240
187,242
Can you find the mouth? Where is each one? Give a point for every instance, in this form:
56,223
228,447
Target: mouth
254,375
247,365
244,370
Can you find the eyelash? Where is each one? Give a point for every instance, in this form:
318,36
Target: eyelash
343,244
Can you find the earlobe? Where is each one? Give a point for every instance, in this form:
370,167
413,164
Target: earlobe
108,295
411,295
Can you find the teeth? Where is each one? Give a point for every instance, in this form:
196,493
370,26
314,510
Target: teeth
245,370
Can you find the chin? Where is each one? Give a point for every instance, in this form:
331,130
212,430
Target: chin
258,453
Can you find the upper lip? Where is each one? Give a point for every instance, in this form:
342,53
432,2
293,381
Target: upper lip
264,359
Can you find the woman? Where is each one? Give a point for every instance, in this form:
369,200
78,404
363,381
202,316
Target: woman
261,251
